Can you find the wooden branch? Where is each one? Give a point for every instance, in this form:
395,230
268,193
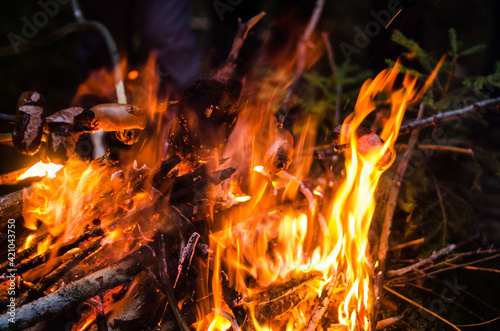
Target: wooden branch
72,294
387,222
282,113
6,139
443,251
227,71
187,256
449,115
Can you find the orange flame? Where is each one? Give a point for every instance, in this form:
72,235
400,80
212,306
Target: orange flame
272,246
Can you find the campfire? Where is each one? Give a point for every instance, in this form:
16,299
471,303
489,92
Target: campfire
241,223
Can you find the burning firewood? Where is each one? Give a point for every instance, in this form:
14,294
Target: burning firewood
72,294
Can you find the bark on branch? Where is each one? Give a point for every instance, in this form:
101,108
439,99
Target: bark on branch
449,115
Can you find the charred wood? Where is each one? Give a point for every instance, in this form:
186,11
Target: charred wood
70,295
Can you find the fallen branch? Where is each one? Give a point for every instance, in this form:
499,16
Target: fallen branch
71,295
449,115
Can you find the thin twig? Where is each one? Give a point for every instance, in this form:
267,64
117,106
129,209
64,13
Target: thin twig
439,148
421,307
479,324
445,220
407,244
335,71
282,113
449,115
443,251
227,71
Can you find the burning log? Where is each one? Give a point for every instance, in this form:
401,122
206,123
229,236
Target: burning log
39,259
55,275
278,300
29,123
72,294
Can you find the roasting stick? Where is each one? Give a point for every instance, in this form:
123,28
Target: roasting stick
98,137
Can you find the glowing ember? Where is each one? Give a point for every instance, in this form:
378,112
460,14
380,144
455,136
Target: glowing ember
41,169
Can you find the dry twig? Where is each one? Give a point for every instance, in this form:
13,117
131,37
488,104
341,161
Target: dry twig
449,115
421,307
